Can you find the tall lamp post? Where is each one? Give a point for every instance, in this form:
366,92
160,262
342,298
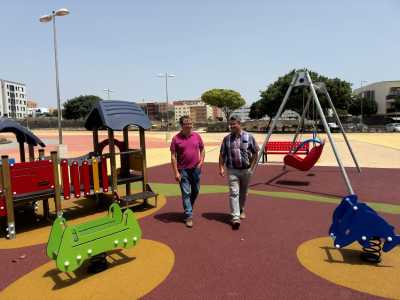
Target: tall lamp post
361,86
44,19
166,76
108,91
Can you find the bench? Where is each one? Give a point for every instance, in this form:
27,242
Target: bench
280,147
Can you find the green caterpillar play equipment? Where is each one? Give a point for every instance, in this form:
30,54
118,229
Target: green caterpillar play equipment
70,246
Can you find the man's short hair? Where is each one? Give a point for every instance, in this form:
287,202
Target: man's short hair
184,118
234,119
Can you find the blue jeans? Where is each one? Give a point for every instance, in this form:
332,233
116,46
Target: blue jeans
190,187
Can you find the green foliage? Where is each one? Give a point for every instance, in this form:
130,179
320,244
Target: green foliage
79,107
256,111
369,106
271,98
227,100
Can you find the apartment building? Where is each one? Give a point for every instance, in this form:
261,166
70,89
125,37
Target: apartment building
383,92
13,102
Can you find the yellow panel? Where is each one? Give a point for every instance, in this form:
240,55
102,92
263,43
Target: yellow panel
95,168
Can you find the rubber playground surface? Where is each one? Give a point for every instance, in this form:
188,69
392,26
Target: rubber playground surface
282,250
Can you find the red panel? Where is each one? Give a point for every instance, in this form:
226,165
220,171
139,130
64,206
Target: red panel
29,177
306,163
3,209
85,177
65,179
74,169
104,176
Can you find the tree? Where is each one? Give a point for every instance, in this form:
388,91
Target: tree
256,110
369,106
226,100
79,107
271,98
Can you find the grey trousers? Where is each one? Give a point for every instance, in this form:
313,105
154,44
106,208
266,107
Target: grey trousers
238,184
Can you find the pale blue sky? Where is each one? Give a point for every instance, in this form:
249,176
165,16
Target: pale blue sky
242,45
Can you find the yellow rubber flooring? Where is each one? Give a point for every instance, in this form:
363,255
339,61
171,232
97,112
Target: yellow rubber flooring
345,268
131,274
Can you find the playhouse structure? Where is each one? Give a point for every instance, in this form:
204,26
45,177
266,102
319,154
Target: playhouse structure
43,177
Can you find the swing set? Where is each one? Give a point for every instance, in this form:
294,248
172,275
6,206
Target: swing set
302,79
352,220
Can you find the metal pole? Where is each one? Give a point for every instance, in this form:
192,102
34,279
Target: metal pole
166,95
301,123
341,127
60,139
278,114
328,131
361,119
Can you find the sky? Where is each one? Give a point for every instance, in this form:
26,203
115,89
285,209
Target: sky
240,45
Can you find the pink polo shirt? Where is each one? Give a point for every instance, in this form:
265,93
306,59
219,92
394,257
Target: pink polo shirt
187,149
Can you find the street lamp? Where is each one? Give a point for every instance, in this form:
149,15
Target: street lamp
108,91
361,86
166,76
44,19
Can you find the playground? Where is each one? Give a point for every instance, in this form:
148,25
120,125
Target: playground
281,251
114,226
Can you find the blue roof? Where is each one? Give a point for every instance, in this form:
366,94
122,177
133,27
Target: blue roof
23,134
116,115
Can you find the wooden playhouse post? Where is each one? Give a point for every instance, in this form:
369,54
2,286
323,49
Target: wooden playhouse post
22,151
125,160
31,152
57,188
95,140
143,150
9,196
112,160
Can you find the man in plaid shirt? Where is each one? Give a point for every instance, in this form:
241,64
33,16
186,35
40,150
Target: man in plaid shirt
239,153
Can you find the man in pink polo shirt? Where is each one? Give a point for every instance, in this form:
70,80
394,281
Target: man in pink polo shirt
187,157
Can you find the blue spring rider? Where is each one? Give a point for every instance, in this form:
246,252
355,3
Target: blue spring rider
356,221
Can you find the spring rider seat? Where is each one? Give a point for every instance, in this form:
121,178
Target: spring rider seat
356,221
70,246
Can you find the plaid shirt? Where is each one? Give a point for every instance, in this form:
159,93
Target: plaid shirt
238,150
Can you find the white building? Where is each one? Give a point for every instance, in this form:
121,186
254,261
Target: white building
242,113
13,102
196,109
383,93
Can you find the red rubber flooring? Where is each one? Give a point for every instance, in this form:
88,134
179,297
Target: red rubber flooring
256,262
371,185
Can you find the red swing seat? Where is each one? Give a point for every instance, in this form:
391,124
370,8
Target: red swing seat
306,163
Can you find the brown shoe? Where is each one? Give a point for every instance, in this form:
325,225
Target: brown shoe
189,222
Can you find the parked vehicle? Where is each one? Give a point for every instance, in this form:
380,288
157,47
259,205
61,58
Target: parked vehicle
393,127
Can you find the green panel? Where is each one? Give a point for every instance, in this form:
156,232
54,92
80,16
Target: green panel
55,237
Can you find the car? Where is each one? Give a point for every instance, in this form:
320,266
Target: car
333,127
393,127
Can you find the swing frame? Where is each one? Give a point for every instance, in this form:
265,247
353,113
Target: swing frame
302,78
